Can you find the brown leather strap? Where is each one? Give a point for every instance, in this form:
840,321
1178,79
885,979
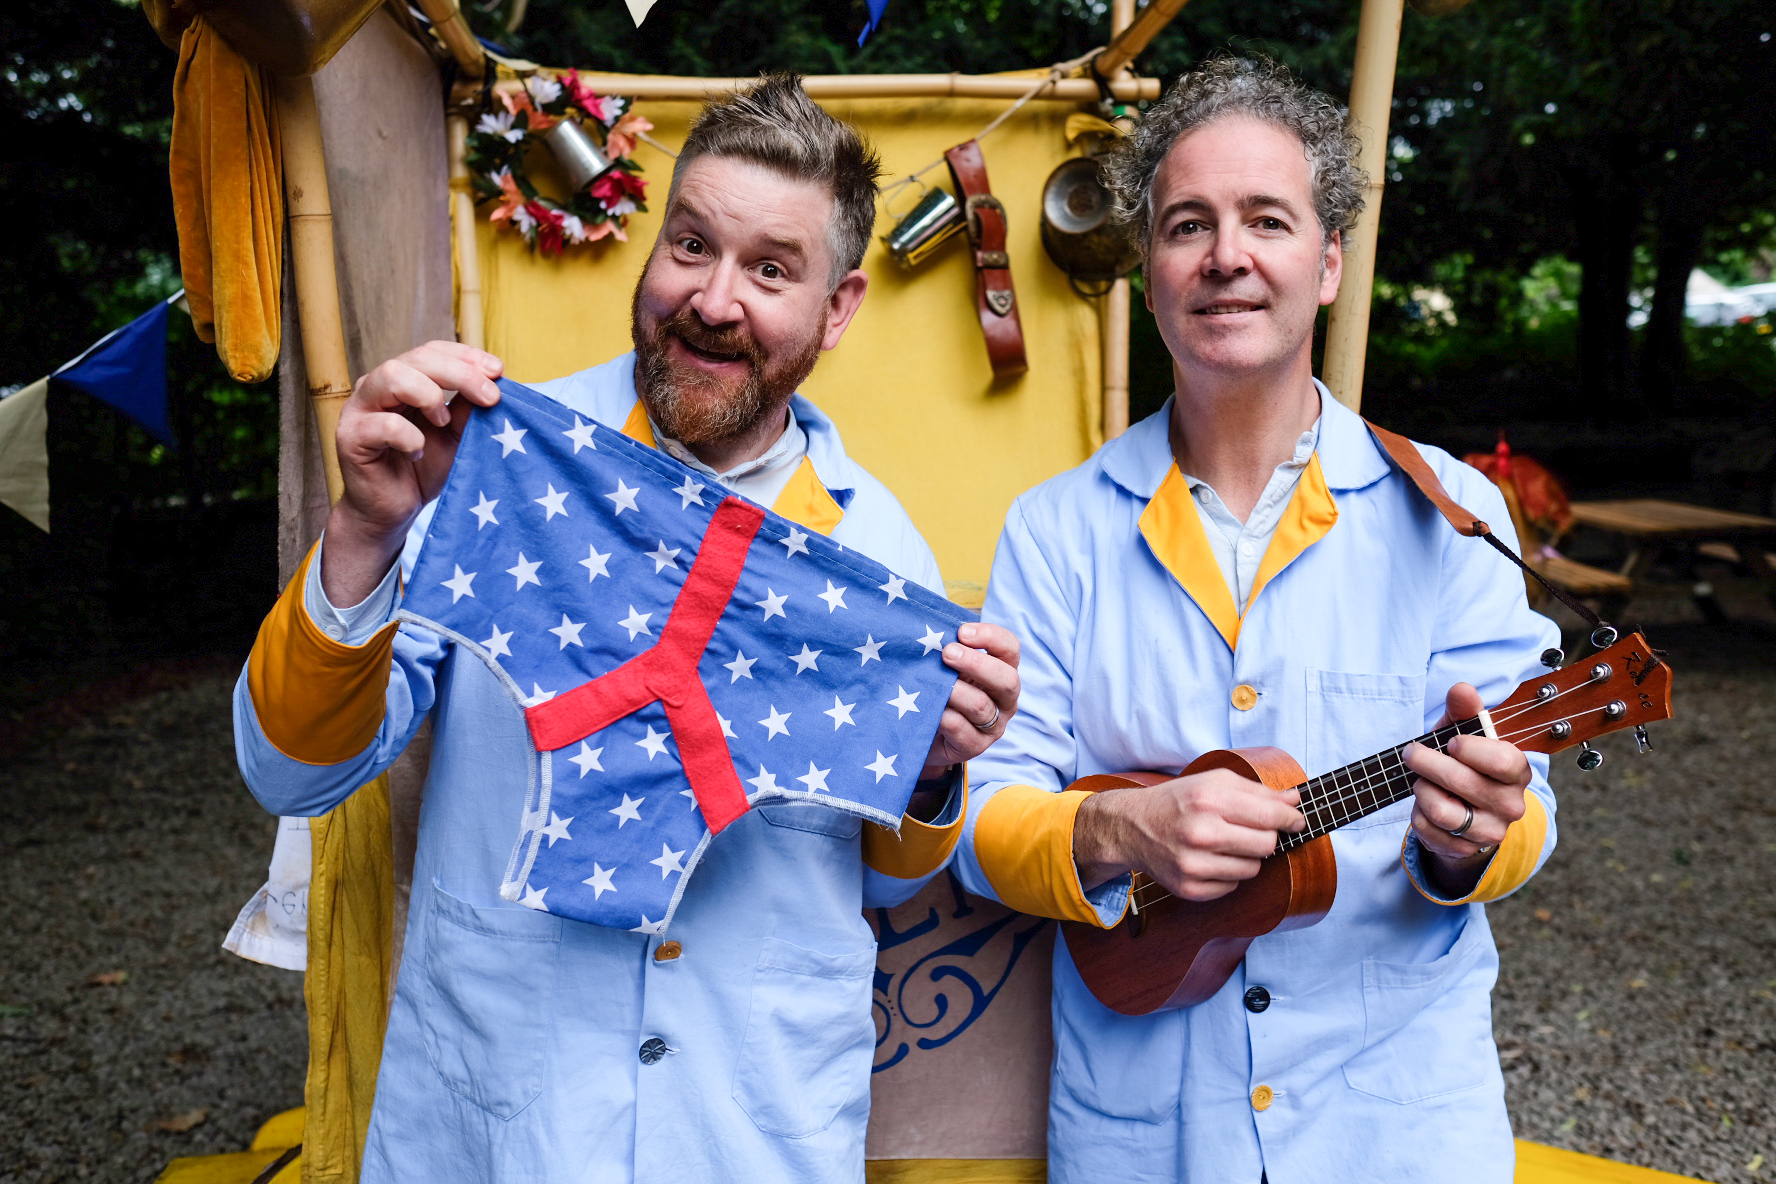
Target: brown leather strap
994,295
1405,454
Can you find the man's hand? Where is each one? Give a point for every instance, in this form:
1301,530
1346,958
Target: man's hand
1489,775
1199,835
397,438
984,699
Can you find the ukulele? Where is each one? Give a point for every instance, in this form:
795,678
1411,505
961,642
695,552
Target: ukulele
1171,953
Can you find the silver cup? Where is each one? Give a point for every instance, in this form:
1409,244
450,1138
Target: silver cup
579,154
935,219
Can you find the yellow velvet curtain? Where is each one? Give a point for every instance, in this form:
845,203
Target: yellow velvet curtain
228,200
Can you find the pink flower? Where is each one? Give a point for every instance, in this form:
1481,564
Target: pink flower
604,108
621,140
511,199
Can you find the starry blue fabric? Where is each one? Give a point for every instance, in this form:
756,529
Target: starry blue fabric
557,553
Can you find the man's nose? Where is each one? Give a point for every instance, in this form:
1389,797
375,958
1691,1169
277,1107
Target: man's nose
1228,255
718,301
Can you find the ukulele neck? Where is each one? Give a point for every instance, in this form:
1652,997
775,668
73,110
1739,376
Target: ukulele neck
1359,789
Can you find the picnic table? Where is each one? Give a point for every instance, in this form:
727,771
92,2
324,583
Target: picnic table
1653,526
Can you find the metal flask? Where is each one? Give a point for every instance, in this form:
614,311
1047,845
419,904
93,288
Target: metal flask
1078,229
578,154
937,217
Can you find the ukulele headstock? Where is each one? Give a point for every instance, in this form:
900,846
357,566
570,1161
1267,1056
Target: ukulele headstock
1625,686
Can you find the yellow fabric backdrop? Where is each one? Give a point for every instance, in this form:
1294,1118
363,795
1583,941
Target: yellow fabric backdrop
909,386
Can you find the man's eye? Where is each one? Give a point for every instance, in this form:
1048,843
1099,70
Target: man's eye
1190,226
691,246
1270,224
771,271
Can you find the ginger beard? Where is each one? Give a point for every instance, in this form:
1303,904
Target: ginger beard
693,406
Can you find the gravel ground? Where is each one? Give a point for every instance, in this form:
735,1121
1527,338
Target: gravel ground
1636,1007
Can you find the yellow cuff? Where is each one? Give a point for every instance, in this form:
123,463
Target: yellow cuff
1023,841
919,849
1512,864
318,701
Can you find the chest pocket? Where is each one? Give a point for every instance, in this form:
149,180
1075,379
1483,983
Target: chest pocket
813,818
1350,716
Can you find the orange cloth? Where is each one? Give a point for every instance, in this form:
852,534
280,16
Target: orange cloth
228,200
1539,492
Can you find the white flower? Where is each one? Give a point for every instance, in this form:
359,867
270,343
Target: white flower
524,220
573,228
542,88
608,109
499,124
624,205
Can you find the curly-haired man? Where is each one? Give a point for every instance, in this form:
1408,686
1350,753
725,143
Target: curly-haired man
1245,568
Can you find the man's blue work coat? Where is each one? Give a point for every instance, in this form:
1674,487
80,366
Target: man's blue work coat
514,1044
1376,1046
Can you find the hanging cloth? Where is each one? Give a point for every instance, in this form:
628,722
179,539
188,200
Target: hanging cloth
228,200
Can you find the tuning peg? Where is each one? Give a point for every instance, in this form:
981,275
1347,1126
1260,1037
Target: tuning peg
1552,658
1604,636
1589,758
1641,742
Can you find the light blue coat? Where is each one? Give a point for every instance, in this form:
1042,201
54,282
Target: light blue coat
1378,1040
513,1043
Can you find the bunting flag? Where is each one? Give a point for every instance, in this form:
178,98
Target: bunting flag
24,455
680,656
127,369
876,10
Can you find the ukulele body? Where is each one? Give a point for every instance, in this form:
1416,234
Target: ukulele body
1177,953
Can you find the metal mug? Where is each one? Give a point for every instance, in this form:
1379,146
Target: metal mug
937,218
579,154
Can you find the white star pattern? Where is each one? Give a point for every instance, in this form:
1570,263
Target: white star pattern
587,759
728,731
569,632
595,565
459,584
496,646
871,649
766,781
554,502
557,828
484,512
599,881
663,558
772,604
623,498
538,695
795,544
775,724
627,812
690,491
526,571
807,660
510,440
636,623
668,861
581,435
904,702
815,779
841,713
648,926
933,640
533,897
834,597
896,589
741,666
654,742
882,766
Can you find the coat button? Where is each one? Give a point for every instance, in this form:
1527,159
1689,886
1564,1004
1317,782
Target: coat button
1262,1097
1257,999
654,1048
668,951
1244,697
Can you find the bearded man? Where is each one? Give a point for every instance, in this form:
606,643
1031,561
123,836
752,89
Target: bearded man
1247,568
524,1046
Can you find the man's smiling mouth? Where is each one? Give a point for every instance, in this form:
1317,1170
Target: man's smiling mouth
1226,307
708,355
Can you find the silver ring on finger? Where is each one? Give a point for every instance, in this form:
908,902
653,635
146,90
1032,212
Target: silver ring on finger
990,724
1461,830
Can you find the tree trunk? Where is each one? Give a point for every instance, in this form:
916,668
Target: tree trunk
1664,355
1606,212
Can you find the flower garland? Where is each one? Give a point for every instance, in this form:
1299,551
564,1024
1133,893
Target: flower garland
503,136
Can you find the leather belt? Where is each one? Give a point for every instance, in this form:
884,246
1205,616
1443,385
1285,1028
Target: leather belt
992,265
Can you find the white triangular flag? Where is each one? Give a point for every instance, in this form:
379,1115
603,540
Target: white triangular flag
24,458
638,10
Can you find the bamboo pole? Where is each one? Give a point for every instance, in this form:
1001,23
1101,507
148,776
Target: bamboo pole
470,322
1132,38
311,256
447,21
876,86
1371,102
1114,314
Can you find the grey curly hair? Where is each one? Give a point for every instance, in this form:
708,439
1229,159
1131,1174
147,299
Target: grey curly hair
1261,89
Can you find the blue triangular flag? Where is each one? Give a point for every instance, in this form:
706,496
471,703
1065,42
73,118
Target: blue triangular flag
876,9
127,369
680,654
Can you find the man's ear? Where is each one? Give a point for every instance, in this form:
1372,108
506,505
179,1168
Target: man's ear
1332,268
1146,289
842,305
